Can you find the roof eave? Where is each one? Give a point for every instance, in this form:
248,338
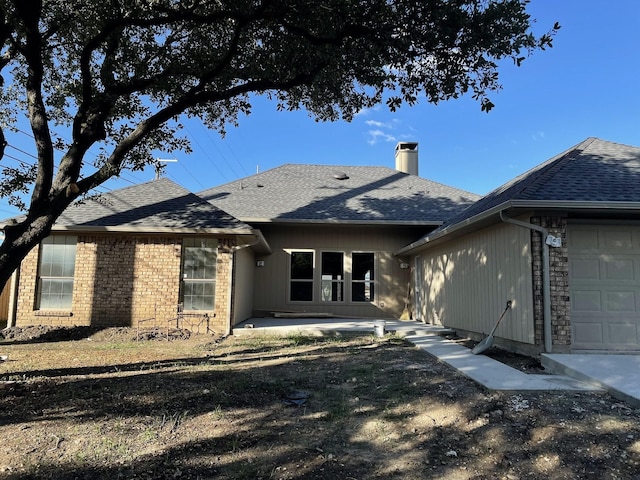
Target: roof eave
427,223
486,216
428,239
260,246
576,205
152,230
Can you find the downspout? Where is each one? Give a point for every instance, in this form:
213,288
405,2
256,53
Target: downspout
546,283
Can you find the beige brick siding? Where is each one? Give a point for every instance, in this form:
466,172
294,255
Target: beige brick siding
559,283
222,323
120,280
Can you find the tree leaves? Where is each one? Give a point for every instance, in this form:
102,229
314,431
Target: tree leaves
116,74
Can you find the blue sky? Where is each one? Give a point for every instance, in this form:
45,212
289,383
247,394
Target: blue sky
585,86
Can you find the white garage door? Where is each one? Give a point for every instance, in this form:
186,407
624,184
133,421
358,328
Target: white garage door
604,283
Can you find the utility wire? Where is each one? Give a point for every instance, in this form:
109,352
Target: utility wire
93,164
206,154
191,175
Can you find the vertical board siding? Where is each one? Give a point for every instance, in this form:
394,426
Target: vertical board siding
243,285
467,282
271,281
4,304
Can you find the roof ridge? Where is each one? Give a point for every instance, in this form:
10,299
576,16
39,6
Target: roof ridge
552,167
337,168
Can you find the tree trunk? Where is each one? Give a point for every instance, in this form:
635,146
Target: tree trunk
19,240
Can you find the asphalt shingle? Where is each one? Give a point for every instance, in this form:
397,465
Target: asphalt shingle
154,205
316,193
592,171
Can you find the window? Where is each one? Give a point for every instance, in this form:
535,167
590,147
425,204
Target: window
362,277
301,284
341,277
56,269
199,273
332,276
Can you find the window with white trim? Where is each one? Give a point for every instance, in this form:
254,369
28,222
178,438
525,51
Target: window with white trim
332,277
362,277
301,277
56,272
199,259
340,277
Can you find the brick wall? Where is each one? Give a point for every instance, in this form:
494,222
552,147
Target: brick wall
559,283
120,280
221,324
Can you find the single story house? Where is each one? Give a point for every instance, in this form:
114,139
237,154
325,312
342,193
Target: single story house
561,242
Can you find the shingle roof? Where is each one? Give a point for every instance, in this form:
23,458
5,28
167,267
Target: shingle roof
295,192
592,171
159,204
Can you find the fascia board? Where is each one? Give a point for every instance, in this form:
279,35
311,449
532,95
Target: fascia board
151,230
452,229
416,223
518,204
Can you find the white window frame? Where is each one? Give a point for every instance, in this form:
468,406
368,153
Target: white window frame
50,272
312,280
373,281
203,282
347,281
327,284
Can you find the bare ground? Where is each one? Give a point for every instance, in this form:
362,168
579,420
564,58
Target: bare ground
85,404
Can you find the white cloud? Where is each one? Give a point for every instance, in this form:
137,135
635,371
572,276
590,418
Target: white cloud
366,111
375,123
376,136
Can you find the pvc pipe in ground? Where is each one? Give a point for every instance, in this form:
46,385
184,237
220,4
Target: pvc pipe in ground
379,328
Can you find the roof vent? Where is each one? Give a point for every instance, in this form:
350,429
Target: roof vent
407,157
340,176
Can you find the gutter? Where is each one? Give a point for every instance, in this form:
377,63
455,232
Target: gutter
452,228
329,221
546,282
524,204
575,204
259,237
152,230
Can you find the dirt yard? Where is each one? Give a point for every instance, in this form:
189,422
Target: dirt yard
79,404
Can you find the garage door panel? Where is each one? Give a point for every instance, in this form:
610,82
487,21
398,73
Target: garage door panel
622,333
583,239
586,301
619,269
586,269
618,240
586,333
620,302
604,282
603,303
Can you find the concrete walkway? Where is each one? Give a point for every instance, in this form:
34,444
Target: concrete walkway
618,374
490,373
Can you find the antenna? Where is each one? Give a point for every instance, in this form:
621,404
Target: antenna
160,167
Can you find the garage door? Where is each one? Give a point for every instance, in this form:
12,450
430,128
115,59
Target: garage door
604,283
